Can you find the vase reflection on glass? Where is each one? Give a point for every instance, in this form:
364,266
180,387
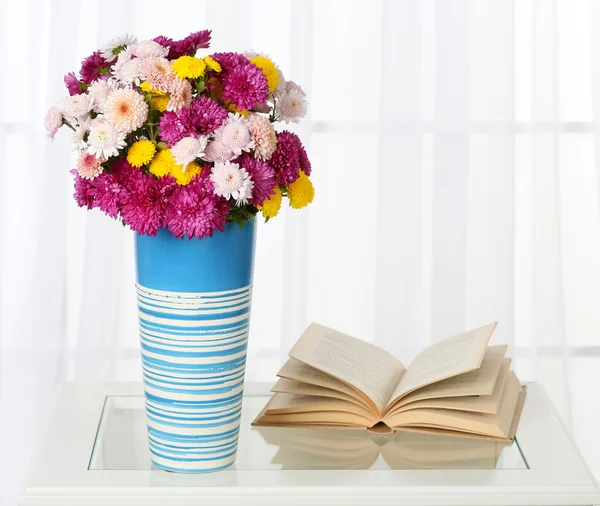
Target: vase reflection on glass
194,300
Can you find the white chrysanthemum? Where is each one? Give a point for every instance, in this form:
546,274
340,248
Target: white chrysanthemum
76,106
127,69
216,151
79,134
147,48
115,46
232,181
99,92
105,140
181,94
53,121
291,106
126,109
188,149
234,134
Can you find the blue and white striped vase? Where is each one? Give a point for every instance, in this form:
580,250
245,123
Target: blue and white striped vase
194,312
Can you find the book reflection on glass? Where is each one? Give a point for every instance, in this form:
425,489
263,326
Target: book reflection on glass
457,386
303,449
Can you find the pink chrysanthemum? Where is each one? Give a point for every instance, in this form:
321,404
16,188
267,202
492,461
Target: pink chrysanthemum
181,94
126,109
164,41
174,126
207,115
158,72
94,67
88,166
190,44
216,151
263,176
145,201
263,135
194,210
246,86
148,48
53,121
286,158
72,83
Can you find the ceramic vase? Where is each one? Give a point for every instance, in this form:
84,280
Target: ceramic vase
194,301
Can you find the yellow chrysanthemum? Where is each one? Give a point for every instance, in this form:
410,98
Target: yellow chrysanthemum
144,86
184,178
160,103
301,192
162,163
269,70
140,153
271,207
233,108
212,64
189,67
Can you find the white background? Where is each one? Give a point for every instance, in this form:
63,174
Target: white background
454,150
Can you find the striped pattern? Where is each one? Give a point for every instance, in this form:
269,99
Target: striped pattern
194,359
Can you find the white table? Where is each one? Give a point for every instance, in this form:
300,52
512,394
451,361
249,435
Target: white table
93,452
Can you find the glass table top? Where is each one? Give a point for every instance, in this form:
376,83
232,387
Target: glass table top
121,445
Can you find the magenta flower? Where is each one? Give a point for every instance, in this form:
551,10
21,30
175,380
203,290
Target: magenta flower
286,158
123,170
305,164
164,42
203,117
102,192
263,176
83,191
194,210
73,85
145,201
190,44
245,86
106,193
207,115
229,60
174,126
94,67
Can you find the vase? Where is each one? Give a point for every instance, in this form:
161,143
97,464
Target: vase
194,301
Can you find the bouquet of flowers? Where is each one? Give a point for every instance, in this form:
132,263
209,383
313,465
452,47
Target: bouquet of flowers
166,138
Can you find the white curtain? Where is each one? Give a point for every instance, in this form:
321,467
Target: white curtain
454,147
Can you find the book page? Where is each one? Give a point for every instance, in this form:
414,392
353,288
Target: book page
331,419
282,403
450,357
476,403
497,425
295,370
481,381
366,367
290,386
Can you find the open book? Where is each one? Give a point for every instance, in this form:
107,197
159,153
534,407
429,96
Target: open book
351,449
459,385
